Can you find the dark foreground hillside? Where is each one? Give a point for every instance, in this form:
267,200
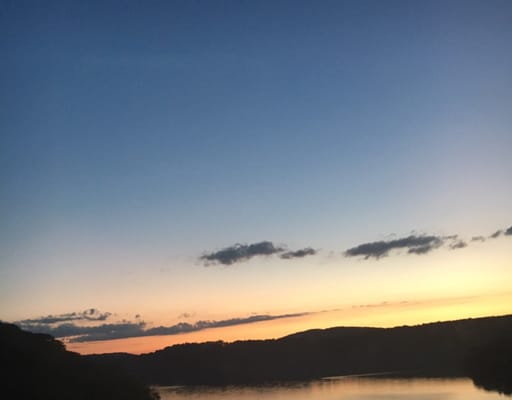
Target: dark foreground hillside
36,366
472,347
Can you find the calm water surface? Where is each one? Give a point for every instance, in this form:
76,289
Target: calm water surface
341,389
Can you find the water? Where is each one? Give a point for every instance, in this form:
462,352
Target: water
348,388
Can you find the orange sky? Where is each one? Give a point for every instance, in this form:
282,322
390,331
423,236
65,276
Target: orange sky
376,315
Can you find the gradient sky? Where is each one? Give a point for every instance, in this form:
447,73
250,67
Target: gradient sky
137,137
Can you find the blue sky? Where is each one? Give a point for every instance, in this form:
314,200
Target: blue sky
136,136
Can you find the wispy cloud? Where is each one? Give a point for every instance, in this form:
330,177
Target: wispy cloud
91,314
127,329
240,252
501,232
308,251
478,239
414,244
243,252
184,327
383,304
496,234
458,244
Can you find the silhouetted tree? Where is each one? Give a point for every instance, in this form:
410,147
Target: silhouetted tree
36,366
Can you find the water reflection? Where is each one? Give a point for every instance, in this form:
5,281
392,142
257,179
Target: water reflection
348,388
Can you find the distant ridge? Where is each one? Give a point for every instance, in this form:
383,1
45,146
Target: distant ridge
438,349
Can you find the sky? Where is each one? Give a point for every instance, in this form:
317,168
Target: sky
178,171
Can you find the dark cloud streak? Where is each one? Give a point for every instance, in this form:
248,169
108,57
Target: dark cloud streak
496,234
184,327
459,244
500,232
308,251
91,314
126,329
240,252
89,333
414,244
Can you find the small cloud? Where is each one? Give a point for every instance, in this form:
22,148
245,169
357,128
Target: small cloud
308,251
374,305
90,314
383,304
459,244
414,244
240,252
451,237
496,234
186,315
478,239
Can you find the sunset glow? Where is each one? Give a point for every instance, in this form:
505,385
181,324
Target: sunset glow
200,171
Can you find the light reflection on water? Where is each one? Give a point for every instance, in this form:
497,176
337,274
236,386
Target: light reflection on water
348,388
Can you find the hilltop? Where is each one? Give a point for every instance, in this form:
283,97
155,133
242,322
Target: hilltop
443,349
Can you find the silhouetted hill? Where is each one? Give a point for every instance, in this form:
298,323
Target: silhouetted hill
36,366
435,349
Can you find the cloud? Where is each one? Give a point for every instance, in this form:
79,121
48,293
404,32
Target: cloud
417,244
243,252
308,251
184,327
126,329
414,244
78,333
496,234
240,252
91,314
459,244
383,304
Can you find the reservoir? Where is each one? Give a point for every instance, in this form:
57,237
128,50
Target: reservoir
342,388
